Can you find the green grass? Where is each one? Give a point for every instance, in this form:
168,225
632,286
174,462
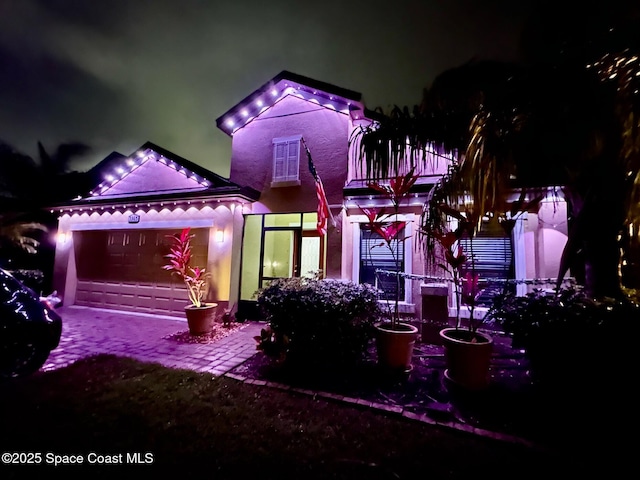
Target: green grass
192,422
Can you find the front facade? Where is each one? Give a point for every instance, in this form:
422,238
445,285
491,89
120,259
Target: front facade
263,222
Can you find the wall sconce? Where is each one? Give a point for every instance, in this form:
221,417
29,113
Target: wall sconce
63,237
219,236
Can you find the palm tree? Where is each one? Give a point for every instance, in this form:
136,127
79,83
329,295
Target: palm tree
27,187
568,121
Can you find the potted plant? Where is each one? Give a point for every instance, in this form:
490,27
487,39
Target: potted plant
394,339
467,350
200,315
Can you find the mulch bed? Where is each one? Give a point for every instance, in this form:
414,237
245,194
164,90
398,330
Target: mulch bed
511,405
218,332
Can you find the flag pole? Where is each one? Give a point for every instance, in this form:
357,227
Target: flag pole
316,177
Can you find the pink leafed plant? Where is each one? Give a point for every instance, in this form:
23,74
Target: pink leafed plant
195,278
388,227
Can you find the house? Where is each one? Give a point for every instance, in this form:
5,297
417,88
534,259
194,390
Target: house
261,223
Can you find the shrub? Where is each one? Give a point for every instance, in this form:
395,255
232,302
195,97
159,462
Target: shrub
317,322
569,338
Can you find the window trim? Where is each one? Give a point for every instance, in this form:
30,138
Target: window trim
287,180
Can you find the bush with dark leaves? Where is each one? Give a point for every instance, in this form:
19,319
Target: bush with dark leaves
317,322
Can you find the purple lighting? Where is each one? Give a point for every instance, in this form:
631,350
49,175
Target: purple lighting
280,88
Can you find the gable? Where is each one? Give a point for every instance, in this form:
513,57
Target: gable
289,84
150,174
150,170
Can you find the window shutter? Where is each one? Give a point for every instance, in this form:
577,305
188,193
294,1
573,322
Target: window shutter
492,255
492,260
279,161
293,160
286,159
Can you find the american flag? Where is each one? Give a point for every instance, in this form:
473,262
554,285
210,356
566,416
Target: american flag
323,205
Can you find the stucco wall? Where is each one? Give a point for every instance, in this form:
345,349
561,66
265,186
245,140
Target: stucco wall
325,132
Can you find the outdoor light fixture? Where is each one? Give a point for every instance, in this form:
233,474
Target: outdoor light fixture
219,235
63,237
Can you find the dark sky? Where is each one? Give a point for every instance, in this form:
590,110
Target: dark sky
116,73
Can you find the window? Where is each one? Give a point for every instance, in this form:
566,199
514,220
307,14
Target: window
375,254
286,161
369,254
279,245
492,253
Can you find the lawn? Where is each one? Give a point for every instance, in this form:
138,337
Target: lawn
108,408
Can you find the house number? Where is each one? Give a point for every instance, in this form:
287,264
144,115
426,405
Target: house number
133,218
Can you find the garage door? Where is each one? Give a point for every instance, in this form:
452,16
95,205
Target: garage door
122,269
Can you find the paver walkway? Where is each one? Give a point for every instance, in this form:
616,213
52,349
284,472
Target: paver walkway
89,331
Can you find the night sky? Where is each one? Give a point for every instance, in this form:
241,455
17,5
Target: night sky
116,73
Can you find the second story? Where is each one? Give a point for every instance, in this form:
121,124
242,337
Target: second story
272,128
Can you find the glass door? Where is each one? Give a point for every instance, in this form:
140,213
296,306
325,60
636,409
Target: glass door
280,254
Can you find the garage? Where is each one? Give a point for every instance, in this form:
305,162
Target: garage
122,269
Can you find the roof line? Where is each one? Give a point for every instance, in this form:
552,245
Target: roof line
296,78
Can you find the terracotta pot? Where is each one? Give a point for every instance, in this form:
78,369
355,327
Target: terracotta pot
468,357
200,319
395,346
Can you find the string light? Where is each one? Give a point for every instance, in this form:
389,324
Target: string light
509,281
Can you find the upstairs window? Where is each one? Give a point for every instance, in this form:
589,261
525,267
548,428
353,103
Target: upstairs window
286,161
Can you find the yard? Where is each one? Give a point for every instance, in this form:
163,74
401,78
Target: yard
110,412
